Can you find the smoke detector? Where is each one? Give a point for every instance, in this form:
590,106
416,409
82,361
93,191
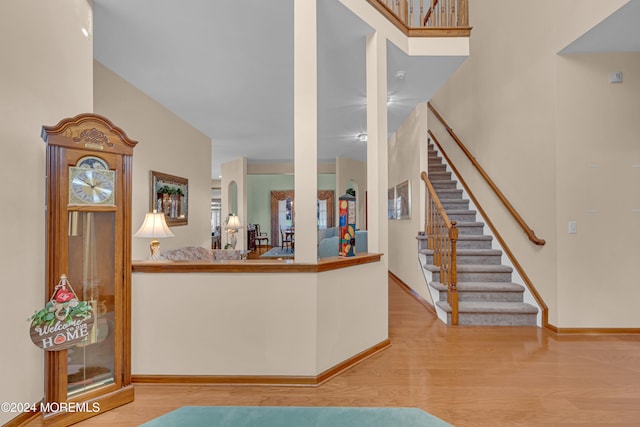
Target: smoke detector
400,75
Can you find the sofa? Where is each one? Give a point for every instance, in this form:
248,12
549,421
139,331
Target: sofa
197,253
328,242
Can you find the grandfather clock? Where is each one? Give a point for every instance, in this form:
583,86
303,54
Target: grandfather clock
89,240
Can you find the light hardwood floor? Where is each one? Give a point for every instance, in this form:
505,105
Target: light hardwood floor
468,376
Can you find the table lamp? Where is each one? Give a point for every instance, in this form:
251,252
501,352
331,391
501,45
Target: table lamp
232,227
154,227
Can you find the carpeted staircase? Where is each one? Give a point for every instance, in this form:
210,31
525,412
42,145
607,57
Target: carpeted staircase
486,293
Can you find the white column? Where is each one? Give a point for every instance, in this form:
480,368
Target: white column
377,155
305,129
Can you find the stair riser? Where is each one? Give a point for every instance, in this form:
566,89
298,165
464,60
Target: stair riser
478,277
436,167
439,176
485,296
470,217
444,185
495,319
449,194
475,230
473,259
473,244
459,205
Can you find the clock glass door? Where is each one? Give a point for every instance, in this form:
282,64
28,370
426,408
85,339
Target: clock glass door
92,275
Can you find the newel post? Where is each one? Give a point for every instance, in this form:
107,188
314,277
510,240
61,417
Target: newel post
453,286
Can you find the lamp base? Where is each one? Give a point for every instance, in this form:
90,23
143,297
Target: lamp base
233,239
154,247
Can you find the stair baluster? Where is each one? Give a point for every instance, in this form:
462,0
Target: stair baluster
442,235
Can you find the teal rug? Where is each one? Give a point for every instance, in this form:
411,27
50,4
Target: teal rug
294,416
278,252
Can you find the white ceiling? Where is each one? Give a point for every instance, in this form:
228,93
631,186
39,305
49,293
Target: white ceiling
226,67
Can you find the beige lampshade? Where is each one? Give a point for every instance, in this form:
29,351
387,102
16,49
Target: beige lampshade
233,223
154,227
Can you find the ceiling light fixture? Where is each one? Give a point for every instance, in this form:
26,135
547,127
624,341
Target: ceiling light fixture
362,137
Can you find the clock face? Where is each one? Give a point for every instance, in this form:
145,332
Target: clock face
91,186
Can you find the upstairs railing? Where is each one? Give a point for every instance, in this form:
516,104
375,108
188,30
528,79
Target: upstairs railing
442,235
419,17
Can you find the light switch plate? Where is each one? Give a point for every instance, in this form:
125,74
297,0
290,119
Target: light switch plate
573,227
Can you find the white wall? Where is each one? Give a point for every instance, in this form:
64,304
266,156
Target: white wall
407,148
598,186
285,324
352,312
46,76
527,114
166,144
237,325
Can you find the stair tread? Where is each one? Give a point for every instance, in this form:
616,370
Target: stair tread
475,268
469,224
468,252
474,237
482,286
491,307
484,268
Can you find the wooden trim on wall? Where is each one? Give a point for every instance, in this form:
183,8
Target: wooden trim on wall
24,418
266,379
592,331
253,265
413,293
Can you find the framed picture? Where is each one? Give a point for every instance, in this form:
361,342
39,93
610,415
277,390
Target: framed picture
403,200
391,203
170,194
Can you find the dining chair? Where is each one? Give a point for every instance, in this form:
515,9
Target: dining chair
285,240
261,236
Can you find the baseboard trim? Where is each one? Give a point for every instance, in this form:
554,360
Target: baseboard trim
24,418
592,331
267,380
413,293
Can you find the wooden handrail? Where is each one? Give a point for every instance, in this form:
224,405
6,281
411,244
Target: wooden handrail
442,237
498,236
525,227
447,13
431,10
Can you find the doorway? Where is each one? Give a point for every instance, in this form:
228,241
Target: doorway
283,212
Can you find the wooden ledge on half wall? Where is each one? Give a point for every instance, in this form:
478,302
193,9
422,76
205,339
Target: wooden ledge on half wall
252,265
